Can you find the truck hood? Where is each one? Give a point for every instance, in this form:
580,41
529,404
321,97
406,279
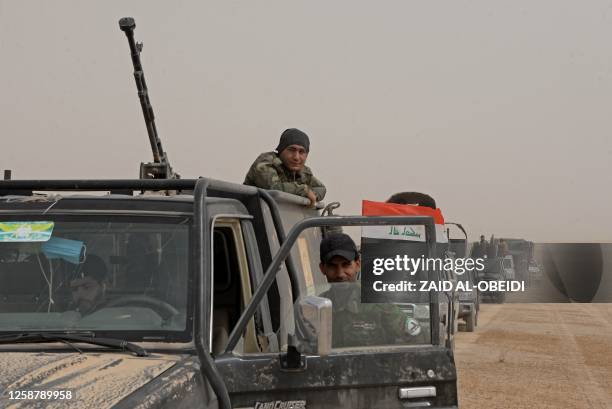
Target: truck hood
97,380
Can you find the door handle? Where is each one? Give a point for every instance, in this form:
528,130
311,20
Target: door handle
417,392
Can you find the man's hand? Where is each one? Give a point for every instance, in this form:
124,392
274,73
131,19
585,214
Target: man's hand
312,197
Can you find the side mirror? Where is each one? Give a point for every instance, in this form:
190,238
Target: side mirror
314,325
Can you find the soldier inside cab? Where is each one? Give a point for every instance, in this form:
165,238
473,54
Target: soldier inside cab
286,170
88,287
354,323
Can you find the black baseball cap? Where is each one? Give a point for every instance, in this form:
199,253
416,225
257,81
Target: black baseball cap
93,267
338,244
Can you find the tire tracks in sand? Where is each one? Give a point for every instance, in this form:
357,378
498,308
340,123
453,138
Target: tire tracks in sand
572,353
537,356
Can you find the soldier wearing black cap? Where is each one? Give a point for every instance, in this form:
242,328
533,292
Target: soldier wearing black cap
89,286
286,169
339,258
354,323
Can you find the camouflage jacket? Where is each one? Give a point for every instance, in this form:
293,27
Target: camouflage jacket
268,172
357,324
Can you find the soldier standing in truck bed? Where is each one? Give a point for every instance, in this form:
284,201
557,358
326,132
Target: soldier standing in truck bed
286,169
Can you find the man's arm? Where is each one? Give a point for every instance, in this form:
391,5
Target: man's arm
318,188
266,176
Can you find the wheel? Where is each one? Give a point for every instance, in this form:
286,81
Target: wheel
165,310
470,321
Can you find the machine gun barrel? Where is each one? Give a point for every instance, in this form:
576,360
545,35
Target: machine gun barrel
127,25
160,167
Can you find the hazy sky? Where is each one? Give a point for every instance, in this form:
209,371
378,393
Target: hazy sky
502,110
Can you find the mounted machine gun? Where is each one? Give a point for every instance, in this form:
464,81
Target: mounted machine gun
160,167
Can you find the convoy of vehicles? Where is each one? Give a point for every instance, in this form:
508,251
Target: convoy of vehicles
505,260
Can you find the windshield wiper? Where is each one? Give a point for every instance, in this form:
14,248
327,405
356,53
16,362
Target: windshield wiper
85,337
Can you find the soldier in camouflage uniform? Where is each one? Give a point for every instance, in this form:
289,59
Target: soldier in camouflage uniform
286,169
354,323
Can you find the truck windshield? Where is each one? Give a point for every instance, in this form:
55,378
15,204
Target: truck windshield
95,273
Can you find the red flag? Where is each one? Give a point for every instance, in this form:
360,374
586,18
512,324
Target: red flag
414,233
370,208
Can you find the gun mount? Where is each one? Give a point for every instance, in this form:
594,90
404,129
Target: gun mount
160,167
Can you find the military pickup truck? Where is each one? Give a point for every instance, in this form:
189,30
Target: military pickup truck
203,303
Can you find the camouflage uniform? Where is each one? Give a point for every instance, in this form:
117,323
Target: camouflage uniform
268,172
357,324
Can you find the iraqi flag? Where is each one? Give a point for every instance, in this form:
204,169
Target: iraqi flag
408,233
393,243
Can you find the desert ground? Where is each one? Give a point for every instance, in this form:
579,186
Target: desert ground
537,356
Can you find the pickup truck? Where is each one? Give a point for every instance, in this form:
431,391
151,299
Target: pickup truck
210,299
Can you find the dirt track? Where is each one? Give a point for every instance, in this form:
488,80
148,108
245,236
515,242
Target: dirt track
537,356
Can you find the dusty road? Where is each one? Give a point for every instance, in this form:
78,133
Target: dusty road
537,356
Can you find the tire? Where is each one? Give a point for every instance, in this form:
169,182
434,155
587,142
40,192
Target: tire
470,321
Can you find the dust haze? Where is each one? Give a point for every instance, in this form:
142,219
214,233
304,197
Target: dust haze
500,110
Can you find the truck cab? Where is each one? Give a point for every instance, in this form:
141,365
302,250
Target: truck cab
211,298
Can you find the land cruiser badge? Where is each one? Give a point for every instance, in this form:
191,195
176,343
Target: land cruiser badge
281,404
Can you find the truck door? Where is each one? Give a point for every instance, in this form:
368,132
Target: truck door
236,269
414,371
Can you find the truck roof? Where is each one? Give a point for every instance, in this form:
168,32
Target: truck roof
127,194
173,205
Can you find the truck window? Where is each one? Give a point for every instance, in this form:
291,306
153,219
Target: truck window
102,274
355,324
232,288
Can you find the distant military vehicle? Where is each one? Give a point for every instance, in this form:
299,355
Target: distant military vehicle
469,299
522,255
509,271
181,293
493,271
535,272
